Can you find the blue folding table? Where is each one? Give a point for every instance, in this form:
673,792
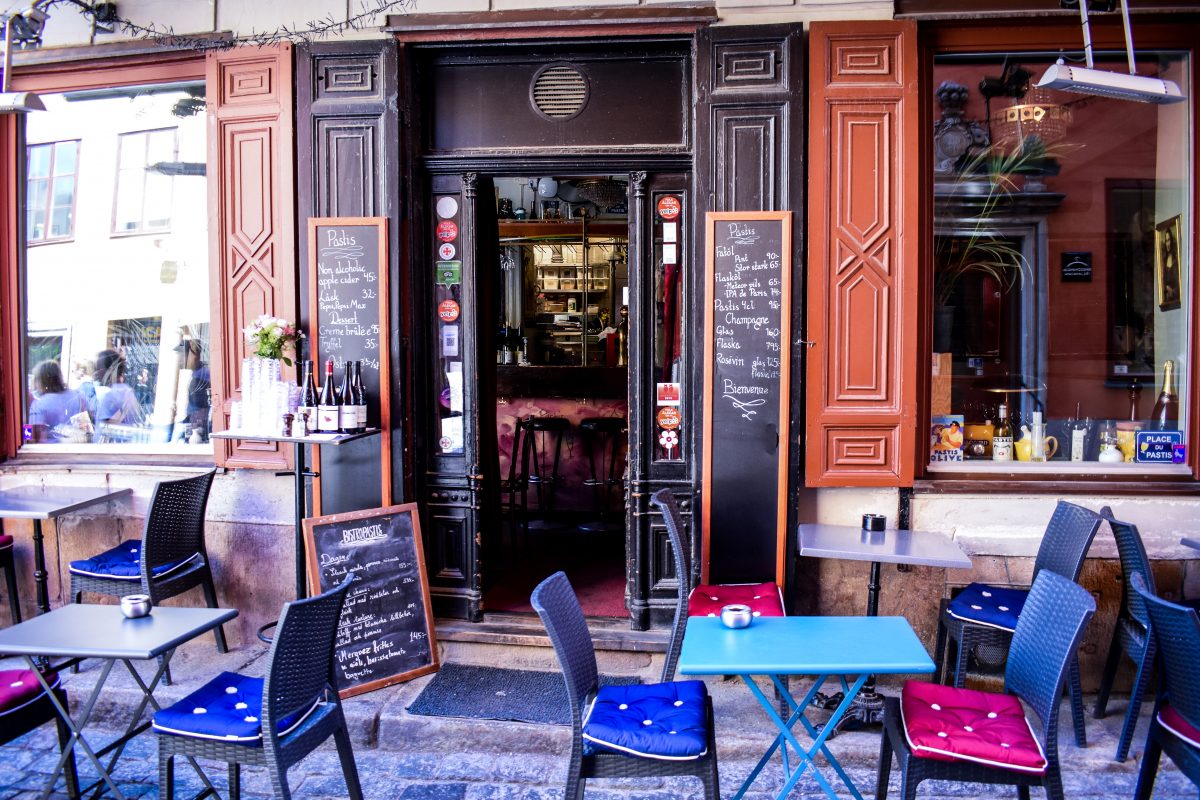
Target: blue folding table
847,648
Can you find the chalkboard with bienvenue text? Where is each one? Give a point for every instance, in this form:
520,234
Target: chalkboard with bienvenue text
386,633
746,394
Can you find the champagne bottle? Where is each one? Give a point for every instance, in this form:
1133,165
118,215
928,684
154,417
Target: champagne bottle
347,413
1165,416
360,399
327,405
1002,439
308,398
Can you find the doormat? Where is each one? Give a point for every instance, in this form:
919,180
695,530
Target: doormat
462,690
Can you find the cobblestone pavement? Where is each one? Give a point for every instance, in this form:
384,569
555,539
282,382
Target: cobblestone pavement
400,755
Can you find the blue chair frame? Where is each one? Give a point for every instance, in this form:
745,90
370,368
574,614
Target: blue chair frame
1176,633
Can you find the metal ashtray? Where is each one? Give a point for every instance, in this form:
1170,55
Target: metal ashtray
736,616
135,605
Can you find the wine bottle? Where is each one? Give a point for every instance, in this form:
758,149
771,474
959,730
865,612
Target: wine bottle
347,413
1002,439
360,399
327,405
1165,416
308,398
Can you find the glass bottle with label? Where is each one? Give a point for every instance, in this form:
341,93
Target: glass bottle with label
307,407
347,413
327,405
1002,439
359,393
1165,416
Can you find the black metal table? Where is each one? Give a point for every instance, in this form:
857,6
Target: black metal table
891,546
299,473
40,503
80,631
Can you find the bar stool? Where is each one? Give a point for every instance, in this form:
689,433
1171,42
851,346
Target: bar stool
10,574
604,439
515,488
542,451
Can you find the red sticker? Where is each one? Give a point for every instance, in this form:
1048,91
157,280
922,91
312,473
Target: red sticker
668,206
447,230
448,311
668,418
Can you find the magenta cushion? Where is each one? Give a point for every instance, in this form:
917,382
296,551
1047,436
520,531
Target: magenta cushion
947,724
1174,722
764,599
6,541
20,687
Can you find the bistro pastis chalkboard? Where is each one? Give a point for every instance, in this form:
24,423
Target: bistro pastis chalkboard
386,632
745,418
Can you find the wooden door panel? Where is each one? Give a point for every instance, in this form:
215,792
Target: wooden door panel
863,269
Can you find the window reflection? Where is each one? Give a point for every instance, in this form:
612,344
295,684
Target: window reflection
117,335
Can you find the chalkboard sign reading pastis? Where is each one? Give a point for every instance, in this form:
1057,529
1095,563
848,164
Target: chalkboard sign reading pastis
386,632
746,395
348,321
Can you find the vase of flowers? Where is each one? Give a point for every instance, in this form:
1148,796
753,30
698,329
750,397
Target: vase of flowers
271,337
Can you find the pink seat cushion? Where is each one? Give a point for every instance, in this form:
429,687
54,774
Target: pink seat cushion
19,688
6,541
764,599
1174,722
948,724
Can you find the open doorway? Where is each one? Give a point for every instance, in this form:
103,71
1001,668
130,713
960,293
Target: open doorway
560,315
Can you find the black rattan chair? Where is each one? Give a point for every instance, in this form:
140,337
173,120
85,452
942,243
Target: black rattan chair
1130,633
557,605
21,713
664,501
1043,646
297,710
173,557
1064,546
1175,724
10,574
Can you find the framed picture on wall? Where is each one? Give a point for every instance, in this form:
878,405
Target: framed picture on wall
1166,263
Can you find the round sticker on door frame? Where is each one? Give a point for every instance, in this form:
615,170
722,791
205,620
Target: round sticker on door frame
448,311
446,252
668,206
447,207
447,230
669,418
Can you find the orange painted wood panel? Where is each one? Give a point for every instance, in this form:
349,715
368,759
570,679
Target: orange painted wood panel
863,268
252,229
11,393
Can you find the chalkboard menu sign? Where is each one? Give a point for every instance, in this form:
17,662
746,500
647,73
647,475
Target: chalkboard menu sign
386,633
746,358
348,321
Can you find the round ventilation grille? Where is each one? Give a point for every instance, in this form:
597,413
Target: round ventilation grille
559,92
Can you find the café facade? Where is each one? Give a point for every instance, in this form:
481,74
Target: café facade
538,184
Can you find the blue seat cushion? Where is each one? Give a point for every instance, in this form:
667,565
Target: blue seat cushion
228,708
993,606
123,563
659,720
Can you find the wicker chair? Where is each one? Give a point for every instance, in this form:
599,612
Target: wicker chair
1130,633
1044,644
664,500
557,605
1064,546
10,574
1173,725
173,556
300,708
20,714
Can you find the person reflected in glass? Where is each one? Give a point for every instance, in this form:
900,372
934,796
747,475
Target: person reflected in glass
53,414
199,404
116,402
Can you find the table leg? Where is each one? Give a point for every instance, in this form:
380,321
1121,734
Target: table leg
867,708
299,473
40,575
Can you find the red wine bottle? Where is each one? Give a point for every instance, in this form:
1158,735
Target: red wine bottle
347,415
327,405
308,398
360,398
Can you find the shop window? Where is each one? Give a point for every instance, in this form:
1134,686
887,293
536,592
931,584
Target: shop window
116,337
50,192
1061,278
144,183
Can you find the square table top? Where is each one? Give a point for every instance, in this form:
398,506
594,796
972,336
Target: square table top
803,646
82,630
48,502
921,548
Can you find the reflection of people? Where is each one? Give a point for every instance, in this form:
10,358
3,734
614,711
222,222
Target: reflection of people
116,401
53,404
1169,274
144,390
198,403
